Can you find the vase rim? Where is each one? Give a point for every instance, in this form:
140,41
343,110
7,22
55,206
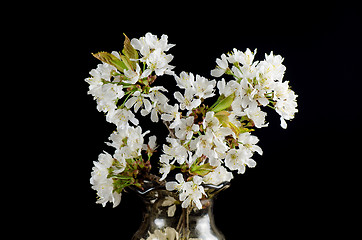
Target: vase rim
151,186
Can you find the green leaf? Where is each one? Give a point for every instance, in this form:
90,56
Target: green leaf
110,59
224,104
129,51
120,177
202,170
127,62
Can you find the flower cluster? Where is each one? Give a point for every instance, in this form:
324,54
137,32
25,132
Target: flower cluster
119,78
189,191
206,144
153,52
167,234
256,84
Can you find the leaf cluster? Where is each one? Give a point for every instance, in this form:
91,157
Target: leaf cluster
128,59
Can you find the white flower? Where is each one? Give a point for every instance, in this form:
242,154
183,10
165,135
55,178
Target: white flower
274,69
159,102
281,90
247,93
157,108
151,146
222,66
211,121
186,129
249,143
192,193
166,234
218,176
247,70
204,145
137,100
228,88
258,116
172,113
158,62
128,142
100,169
135,140
106,95
162,43
185,81
153,51
213,144
189,192
170,186
134,76
102,184
188,101
236,159
286,105
103,71
121,165
220,146
176,150
150,41
286,109
117,138
204,88
144,44
95,80
246,58
120,117
156,94
235,56
237,106
165,165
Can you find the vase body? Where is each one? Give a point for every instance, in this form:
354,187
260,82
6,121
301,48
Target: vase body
165,219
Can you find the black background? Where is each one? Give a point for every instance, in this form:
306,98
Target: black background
304,183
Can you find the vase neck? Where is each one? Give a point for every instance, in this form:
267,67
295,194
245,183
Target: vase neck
164,213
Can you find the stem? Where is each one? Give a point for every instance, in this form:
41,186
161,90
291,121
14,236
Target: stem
154,178
124,102
270,107
183,224
179,224
188,222
172,132
153,80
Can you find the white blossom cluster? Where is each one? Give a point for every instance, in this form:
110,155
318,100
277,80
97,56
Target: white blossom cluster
153,52
166,234
102,184
205,144
106,88
256,84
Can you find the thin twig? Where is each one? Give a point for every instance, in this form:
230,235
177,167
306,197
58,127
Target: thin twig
172,132
188,211
180,221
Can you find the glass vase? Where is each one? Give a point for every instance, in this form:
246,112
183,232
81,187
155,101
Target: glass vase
165,219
